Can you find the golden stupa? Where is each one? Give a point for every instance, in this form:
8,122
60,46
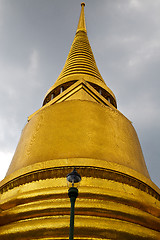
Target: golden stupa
79,126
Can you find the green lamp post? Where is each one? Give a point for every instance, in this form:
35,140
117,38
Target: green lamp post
73,180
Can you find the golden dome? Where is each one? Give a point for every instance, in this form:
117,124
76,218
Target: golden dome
75,124
79,126
79,129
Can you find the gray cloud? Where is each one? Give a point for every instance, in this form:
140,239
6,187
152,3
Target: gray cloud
35,38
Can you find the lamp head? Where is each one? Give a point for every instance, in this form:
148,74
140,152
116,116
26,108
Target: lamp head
73,179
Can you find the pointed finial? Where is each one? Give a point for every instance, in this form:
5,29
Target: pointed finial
82,24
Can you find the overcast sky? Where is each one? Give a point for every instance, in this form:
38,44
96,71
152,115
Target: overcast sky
35,38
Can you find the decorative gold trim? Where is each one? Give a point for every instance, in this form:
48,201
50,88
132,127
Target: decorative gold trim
87,171
71,90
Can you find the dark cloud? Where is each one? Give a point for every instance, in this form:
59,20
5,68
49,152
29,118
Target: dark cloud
35,38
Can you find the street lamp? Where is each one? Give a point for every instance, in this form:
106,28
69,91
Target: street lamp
73,180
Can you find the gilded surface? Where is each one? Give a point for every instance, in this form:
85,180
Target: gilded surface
80,58
73,92
90,130
80,127
80,63
40,209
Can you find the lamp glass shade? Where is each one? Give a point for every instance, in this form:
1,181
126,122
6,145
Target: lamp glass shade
73,179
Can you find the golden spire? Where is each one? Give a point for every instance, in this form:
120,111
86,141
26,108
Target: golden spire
82,24
80,59
80,65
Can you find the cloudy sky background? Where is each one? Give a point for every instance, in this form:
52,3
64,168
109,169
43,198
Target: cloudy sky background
35,38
